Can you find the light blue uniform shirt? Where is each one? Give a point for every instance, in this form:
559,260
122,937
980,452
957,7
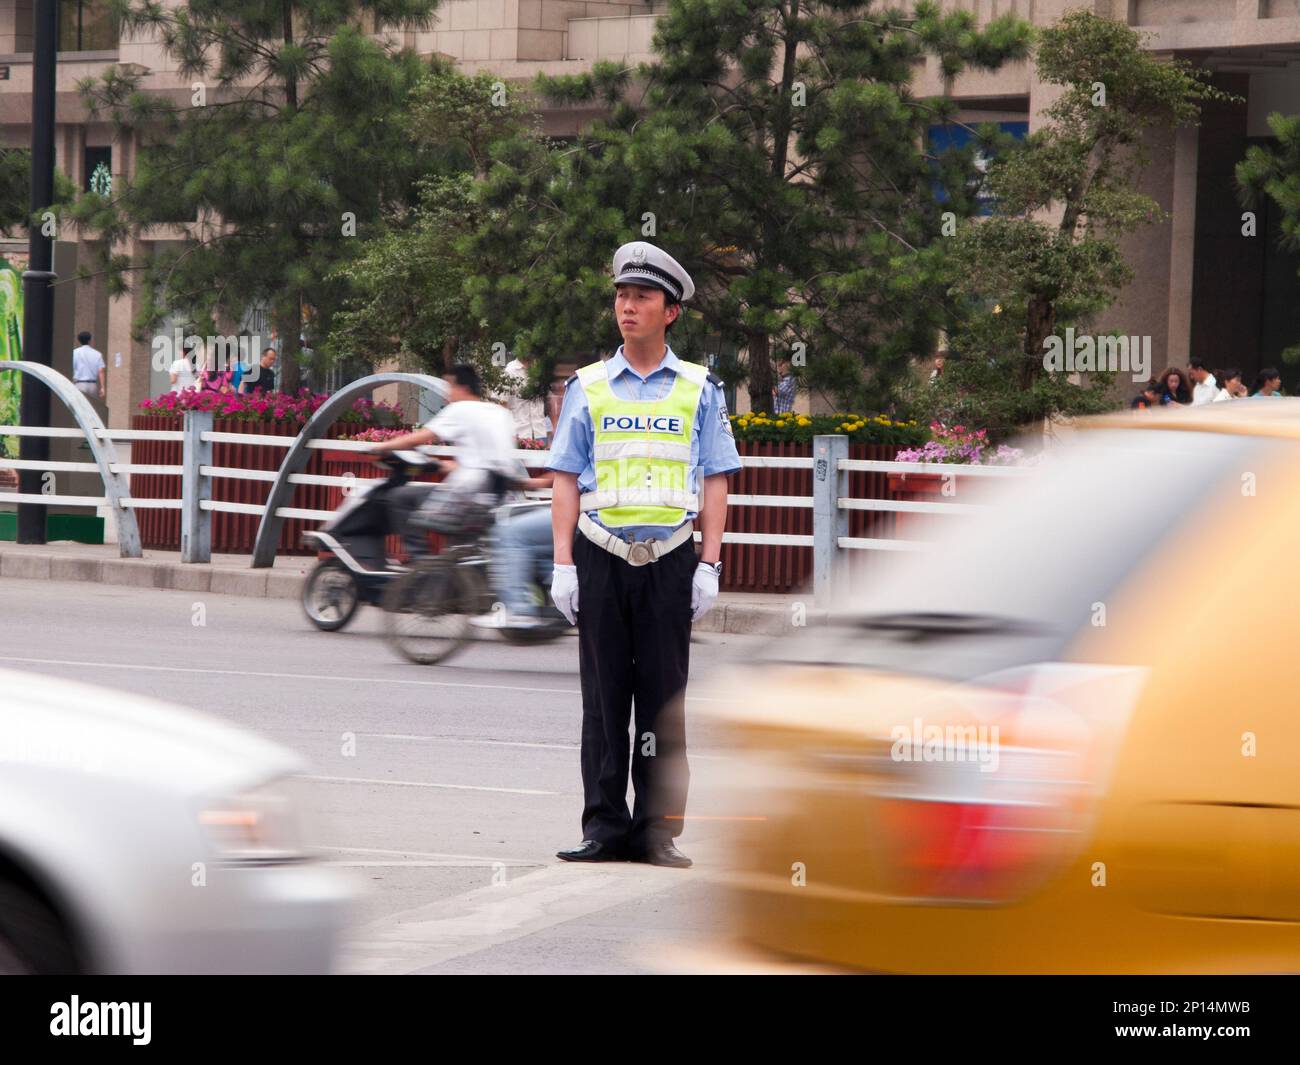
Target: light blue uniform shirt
713,448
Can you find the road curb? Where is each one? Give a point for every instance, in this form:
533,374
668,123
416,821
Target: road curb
776,616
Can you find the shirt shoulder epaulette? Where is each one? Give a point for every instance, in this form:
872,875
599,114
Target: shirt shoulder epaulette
714,379
570,379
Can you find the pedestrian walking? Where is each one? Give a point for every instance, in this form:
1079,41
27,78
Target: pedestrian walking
784,392
641,456
529,414
1206,386
1268,384
182,373
1173,388
88,368
263,378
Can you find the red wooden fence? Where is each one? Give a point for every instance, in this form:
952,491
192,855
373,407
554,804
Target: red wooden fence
231,533
773,568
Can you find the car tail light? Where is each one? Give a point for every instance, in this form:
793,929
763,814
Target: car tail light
991,823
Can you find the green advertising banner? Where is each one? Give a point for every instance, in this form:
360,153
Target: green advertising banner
11,347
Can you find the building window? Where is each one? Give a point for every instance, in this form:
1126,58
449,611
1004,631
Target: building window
99,171
86,26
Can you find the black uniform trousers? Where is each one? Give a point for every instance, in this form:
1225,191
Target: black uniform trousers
634,645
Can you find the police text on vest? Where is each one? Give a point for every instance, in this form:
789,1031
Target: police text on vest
641,423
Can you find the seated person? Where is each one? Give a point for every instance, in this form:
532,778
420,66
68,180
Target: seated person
483,435
522,554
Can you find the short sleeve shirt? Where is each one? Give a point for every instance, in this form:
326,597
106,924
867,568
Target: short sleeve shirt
483,435
86,363
713,447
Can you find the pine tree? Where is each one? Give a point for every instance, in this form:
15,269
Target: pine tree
285,152
776,148
408,283
1273,171
1050,254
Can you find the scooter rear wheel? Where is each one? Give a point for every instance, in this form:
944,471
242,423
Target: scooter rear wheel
427,611
330,595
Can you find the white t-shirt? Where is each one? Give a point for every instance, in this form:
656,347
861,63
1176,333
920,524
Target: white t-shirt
86,363
1205,391
483,435
530,420
185,375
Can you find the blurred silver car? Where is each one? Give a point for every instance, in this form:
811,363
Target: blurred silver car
137,837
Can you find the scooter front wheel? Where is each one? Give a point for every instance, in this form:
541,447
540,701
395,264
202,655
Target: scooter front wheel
427,611
330,595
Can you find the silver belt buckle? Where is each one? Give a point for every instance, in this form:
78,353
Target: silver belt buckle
640,553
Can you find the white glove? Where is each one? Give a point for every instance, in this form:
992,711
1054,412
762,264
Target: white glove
704,590
564,591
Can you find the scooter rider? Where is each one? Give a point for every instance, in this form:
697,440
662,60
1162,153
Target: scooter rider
483,435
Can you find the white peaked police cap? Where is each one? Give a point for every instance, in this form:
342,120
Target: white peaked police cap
640,263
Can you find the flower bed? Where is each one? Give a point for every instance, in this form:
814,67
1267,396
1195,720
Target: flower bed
801,428
961,446
290,408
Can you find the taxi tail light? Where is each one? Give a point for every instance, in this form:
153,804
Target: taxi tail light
995,823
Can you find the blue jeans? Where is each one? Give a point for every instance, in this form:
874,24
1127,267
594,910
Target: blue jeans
522,554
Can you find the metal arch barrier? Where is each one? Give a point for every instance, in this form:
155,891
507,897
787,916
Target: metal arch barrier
117,491
268,531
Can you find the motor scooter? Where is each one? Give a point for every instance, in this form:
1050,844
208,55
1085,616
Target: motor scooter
353,566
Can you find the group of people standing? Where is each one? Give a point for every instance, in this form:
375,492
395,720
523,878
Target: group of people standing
185,376
1199,385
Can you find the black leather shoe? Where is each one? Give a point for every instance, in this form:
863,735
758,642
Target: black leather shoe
665,854
589,850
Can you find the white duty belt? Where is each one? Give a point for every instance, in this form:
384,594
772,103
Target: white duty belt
636,554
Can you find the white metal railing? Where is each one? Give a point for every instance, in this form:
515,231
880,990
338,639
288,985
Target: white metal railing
831,502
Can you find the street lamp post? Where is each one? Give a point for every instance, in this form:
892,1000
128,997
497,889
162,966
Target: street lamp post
38,297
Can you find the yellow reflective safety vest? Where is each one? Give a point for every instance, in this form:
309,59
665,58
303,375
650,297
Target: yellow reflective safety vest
643,449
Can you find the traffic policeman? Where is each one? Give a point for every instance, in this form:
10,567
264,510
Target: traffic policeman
641,456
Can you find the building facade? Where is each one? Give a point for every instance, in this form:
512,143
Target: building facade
1201,288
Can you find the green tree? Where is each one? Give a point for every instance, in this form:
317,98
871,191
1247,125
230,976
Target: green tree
775,148
408,295
1050,255
16,188
1273,171
285,152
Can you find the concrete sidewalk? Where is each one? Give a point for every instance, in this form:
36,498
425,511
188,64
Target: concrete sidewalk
736,612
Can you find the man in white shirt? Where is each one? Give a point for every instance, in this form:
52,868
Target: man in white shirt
88,368
530,420
1206,386
482,434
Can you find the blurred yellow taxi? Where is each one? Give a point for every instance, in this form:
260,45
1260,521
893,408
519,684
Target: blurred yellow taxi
1063,738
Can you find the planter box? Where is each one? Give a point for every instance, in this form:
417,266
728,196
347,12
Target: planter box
80,528
231,533
771,568
918,484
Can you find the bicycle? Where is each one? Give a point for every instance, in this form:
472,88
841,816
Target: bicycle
427,609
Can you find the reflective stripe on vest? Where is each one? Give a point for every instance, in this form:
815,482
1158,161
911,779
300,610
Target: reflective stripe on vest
642,450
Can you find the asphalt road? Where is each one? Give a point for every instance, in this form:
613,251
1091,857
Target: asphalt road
444,791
